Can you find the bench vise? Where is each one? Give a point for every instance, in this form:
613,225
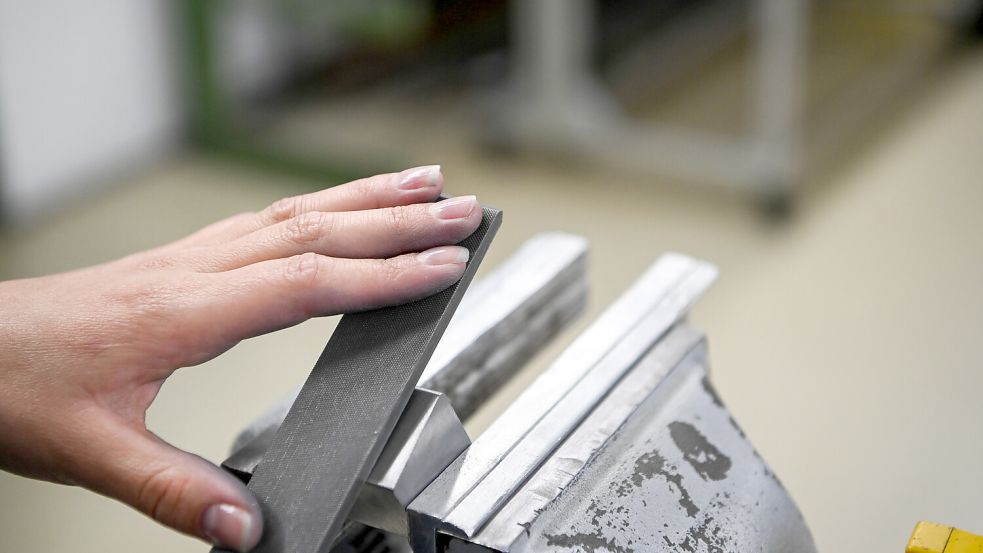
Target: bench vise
620,446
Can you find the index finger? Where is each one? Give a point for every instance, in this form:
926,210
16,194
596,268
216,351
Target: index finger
410,186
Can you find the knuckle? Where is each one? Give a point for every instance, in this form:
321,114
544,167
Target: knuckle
307,228
376,188
130,307
156,262
149,300
401,219
124,311
284,209
305,269
140,299
393,270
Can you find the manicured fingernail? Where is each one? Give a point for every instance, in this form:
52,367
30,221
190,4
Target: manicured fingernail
231,527
454,208
444,255
427,176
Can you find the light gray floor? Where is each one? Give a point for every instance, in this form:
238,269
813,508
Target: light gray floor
849,344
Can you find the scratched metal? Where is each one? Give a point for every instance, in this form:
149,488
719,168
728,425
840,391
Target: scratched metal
508,525
677,475
335,430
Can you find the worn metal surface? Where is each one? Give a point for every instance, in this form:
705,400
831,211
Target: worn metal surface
426,439
556,472
336,429
502,321
658,466
677,475
477,485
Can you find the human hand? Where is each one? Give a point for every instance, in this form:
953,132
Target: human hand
83,354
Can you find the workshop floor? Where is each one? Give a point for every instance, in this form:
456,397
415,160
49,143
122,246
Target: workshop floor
848,343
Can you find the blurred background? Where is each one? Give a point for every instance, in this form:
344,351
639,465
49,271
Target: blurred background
826,155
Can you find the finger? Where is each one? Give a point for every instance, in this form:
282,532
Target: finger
275,294
374,233
416,185
176,488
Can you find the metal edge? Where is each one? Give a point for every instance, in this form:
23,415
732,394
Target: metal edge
494,490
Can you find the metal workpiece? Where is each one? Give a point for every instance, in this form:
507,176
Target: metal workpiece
502,321
427,438
250,444
507,317
247,454
334,433
463,499
659,466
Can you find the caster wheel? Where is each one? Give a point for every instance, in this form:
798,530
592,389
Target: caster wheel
776,207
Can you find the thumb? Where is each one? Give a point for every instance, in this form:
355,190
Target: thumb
177,489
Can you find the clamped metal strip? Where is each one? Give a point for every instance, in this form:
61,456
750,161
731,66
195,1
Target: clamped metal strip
333,435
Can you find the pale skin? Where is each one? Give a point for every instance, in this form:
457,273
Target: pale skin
83,354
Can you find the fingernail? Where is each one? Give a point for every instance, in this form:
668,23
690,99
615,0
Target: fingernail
444,255
454,208
427,176
231,527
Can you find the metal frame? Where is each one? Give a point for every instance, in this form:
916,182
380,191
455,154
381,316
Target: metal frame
555,104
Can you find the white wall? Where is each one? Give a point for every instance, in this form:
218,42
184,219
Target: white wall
86,89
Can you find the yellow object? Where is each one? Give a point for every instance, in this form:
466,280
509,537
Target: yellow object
929,537
963,542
